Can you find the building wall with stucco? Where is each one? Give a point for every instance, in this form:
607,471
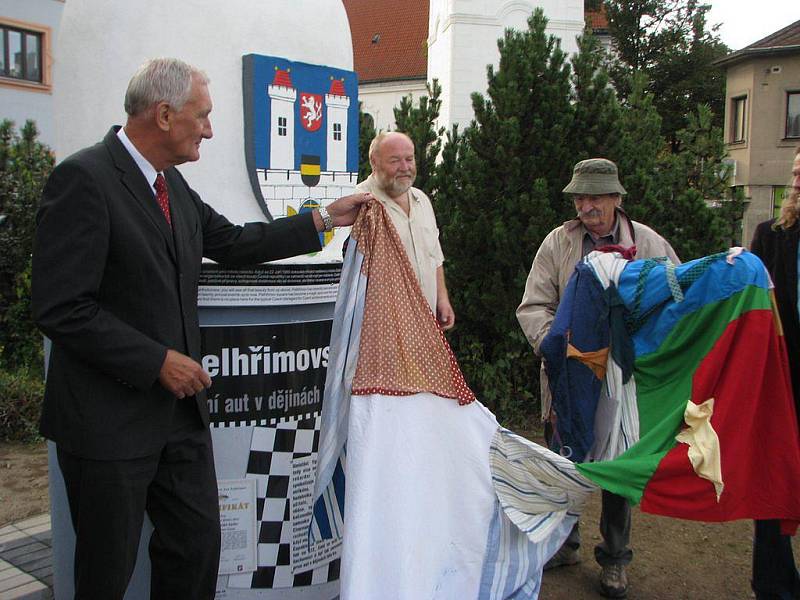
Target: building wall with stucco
22,100
462,41
763,159
102,43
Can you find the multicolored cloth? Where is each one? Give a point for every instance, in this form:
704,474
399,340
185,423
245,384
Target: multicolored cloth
433,499
717,432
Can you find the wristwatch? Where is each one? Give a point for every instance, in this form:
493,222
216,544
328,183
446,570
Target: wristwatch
327,221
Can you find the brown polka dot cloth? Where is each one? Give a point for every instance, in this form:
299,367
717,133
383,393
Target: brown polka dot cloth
402,350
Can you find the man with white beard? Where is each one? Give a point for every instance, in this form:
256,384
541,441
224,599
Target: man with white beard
391,155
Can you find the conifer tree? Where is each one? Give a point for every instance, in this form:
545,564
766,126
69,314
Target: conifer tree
446,181
671,42
500,197
595,130
697,210
639,146
419,123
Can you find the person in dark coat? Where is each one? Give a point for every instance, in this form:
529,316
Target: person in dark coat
117,253
775,242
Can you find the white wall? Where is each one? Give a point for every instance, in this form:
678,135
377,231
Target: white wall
462,41
379,99
102,43
17,103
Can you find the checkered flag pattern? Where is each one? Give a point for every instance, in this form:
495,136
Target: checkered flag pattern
272,450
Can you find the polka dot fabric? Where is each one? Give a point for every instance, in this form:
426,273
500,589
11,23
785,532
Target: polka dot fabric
403,350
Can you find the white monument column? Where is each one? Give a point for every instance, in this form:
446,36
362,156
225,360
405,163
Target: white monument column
462,41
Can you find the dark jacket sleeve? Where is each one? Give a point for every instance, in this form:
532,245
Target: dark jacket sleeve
69,260
761,242
253,243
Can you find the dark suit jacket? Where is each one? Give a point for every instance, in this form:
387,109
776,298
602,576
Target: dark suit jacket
114,288
778,251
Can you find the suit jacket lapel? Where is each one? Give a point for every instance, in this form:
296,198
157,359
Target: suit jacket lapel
132,179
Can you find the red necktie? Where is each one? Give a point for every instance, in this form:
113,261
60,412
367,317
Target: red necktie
162,196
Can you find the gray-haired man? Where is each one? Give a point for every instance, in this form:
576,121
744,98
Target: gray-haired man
116,262
597,193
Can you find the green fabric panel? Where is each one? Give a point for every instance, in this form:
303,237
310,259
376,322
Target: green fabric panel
663,386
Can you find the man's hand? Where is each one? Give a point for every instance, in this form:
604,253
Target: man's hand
343,211
182,376
445,314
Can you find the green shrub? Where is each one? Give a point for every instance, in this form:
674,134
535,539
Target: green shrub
25,165
21,394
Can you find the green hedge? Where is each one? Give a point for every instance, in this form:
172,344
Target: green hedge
21,394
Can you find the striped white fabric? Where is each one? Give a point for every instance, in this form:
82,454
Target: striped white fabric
537,488
329,488
513,567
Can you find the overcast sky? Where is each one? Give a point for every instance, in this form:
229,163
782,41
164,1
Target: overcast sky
747,21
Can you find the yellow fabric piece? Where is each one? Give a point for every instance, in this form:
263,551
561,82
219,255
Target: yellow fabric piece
704,452
595,360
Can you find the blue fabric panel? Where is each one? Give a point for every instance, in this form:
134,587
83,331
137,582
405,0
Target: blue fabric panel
720,281
582,320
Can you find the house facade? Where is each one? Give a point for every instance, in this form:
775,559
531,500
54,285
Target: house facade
27,36
397,48
762,120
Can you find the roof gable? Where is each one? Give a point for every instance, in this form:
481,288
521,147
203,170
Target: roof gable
389,38
788,36
782,42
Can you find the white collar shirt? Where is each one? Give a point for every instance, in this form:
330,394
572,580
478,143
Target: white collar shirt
418,233
144,165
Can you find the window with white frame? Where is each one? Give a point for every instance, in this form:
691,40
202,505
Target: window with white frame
793,115
337,132
282,126
738,119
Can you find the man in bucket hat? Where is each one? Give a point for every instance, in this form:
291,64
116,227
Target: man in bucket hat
597,193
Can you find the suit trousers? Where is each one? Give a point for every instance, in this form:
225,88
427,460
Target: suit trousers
176,487
775,575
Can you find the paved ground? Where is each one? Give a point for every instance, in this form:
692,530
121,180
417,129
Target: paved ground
26,562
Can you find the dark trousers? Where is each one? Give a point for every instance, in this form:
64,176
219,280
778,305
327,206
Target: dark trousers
615,525
177,488
774,572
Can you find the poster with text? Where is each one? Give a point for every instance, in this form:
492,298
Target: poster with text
265,374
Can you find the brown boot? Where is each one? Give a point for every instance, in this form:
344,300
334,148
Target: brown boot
613,581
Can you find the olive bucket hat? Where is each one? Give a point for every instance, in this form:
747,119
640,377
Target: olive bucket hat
595,176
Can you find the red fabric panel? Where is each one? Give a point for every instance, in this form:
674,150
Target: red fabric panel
747,374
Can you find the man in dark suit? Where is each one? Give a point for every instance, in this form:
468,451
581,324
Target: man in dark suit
117,256
777,243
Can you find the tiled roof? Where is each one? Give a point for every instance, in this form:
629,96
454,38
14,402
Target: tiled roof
389,38
788,36
783,41
597,19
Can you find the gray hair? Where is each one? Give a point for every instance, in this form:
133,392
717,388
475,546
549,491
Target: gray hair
161,80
